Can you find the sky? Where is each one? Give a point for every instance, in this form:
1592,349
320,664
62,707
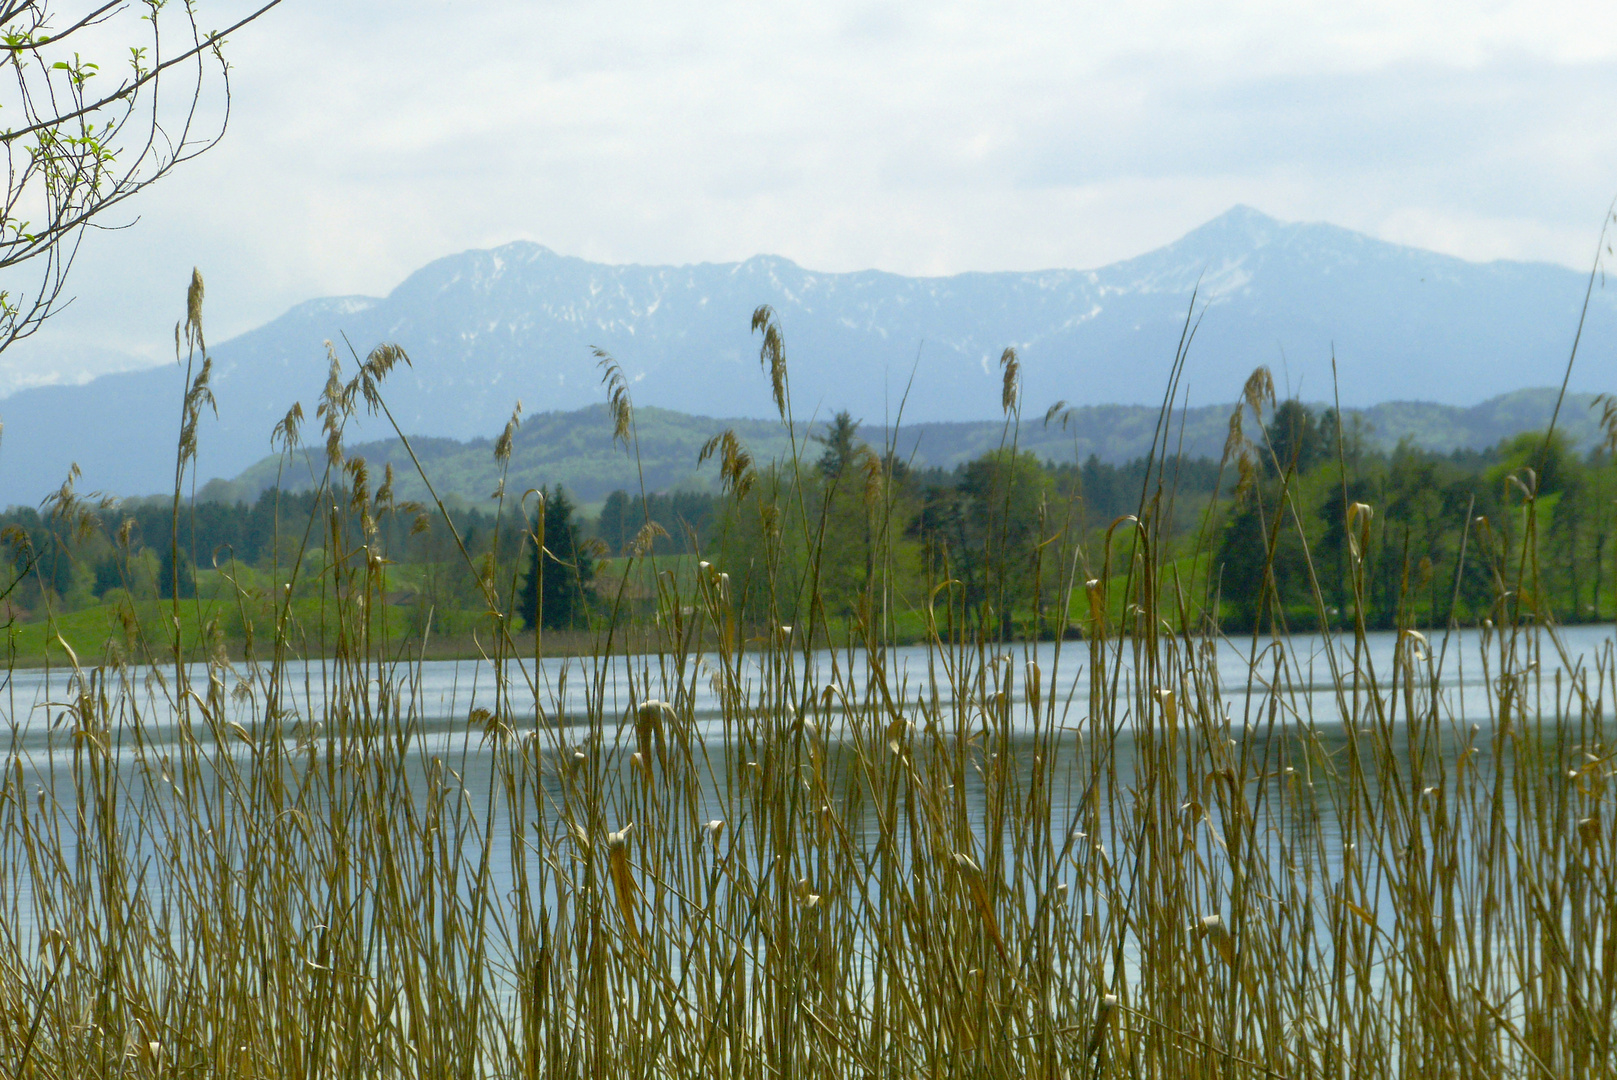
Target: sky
368,137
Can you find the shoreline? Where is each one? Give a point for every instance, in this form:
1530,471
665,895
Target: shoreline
639,641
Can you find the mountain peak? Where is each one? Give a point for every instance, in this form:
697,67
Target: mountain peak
332,305
1240,227
768,262
525,251
1244,216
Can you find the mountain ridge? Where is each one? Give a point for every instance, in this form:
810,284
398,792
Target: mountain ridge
487,327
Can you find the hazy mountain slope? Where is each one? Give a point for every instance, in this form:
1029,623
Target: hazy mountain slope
35,362
486,328
575,449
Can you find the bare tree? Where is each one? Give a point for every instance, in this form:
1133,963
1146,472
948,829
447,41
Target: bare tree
80,136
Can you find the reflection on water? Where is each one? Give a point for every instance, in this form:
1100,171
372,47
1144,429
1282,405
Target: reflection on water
1318,678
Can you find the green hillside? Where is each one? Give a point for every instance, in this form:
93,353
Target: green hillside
575,449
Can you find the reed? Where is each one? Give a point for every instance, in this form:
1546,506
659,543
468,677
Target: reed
1151,852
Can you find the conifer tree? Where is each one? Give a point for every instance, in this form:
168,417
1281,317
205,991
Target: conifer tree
553,588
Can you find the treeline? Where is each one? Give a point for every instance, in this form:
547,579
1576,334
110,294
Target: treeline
69,554
1299,525
855,534
1421,538
1295,522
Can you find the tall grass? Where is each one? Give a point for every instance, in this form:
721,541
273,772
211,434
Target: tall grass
976,858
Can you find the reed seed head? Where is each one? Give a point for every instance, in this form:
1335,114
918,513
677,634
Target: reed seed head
772,353
617,396
1010,390
507,439
1589,833
1259,390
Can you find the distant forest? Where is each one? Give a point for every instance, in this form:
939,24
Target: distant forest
576,449
1253,536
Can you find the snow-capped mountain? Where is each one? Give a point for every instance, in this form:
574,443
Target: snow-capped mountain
486,328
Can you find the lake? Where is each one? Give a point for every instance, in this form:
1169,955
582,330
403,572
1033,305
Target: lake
441,694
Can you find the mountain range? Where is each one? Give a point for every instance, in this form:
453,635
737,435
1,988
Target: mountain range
484,329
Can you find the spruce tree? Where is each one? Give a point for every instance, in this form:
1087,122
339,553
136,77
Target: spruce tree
557,576
166,576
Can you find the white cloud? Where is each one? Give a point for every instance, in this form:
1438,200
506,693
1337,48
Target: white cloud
371,137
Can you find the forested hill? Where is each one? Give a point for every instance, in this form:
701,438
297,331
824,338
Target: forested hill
575,449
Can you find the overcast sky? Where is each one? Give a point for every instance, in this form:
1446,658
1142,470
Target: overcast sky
371,136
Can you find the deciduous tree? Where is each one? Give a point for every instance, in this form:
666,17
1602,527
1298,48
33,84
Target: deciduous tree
98,101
